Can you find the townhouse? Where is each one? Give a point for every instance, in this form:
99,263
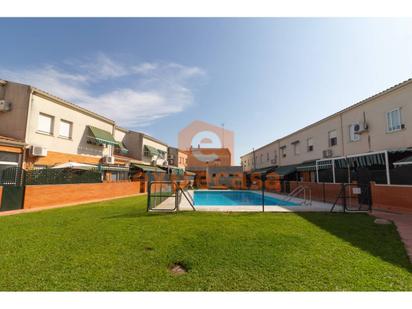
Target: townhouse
54,130
369,140
54,133
177,160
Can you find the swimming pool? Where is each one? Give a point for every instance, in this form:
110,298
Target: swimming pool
236,198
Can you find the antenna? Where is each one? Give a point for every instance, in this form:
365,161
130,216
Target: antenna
223,135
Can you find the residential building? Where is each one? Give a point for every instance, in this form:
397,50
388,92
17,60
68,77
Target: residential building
55,131
145,148
177,159
372,134
231,177
203,157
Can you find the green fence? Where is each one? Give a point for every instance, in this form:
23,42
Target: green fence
61,176
11,176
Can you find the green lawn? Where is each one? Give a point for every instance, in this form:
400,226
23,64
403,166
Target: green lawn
116,245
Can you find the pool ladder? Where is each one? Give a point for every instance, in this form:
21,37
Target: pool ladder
307,195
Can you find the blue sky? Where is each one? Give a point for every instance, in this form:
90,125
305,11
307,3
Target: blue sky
262,78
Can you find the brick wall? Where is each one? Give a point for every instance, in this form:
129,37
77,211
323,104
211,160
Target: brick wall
58,195
394,198
322,192
1,194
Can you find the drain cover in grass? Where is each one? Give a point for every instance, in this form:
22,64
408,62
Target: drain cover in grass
177,269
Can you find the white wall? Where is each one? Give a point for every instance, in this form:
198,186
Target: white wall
78,143
376,138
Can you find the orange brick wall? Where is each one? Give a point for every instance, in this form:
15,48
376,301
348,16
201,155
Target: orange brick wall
57,195
1,194
54,158
392,198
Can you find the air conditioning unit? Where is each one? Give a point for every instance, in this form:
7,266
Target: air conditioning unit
38,151
360,128
5,106
327,153
108,160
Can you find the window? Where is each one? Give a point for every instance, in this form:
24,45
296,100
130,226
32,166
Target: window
333,139
65,129
45,124
296,149
310,144
275,157
353,136
267,157
261,158
394,120
283,151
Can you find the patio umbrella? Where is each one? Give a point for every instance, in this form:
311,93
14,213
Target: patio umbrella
75,165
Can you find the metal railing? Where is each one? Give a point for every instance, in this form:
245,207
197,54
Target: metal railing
167,196
307,195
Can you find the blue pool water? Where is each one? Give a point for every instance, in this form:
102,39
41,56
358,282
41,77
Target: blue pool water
235,198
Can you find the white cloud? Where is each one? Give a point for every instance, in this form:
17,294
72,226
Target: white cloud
134,95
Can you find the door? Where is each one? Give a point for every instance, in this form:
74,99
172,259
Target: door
12,197
363,178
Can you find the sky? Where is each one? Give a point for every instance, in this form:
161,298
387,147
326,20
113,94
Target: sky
261,78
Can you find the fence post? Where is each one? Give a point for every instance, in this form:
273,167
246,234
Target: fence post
323,192
263,178
177,202
149,187
344,197
371,187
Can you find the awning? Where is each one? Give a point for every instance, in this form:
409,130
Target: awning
189,173
176,170
285,170
114,168
264,170
100,136
122,147
307,166
367,160
404,161
148,168
151,150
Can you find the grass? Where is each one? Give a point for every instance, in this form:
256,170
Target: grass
117,246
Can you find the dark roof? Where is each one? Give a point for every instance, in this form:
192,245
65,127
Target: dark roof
285,170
